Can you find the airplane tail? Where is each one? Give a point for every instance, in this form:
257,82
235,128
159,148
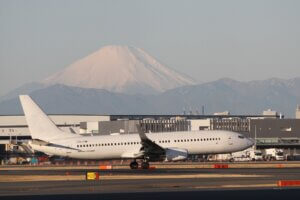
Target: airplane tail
40,125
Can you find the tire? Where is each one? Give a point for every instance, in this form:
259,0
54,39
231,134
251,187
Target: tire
145,165
134,165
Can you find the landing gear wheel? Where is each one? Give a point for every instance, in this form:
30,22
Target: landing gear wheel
134,165
145,165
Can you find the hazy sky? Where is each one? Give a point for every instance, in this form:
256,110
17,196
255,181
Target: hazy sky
207,40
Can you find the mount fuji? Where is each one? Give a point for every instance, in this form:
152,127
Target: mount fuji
126,80
121,69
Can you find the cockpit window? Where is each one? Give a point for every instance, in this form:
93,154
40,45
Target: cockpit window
242,137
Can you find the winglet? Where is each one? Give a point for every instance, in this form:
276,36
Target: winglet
141,132
149,146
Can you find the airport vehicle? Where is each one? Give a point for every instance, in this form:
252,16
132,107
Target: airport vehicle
241,156
274,154
169,146
255,154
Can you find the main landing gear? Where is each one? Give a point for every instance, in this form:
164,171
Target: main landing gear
134,165
144,165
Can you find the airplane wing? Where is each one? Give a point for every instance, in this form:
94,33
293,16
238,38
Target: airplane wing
149,148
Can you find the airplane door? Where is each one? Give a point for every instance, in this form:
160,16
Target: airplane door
230,141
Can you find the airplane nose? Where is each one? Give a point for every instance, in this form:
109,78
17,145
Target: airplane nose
250,142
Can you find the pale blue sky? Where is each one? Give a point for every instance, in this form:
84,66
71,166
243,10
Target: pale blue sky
244,40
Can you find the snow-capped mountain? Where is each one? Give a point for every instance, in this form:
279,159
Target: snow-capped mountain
120,69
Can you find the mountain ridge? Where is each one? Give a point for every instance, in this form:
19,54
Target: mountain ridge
224,94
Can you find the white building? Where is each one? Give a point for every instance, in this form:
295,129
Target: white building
270,113
225,113
298,112
200,124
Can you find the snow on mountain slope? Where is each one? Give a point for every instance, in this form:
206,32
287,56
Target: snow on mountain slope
120,69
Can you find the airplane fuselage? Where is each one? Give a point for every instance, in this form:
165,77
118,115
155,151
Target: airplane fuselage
129,145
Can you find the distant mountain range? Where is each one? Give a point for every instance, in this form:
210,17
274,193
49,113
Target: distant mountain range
127,80
225,94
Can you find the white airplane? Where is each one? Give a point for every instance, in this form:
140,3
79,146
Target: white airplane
168,146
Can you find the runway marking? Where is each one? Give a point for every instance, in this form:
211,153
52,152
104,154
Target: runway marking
264,185
23,178
184,176
253,185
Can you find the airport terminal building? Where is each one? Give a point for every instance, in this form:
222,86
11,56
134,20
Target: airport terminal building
270,131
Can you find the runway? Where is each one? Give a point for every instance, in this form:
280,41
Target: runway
57,182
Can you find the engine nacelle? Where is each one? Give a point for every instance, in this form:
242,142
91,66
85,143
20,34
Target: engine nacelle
176,154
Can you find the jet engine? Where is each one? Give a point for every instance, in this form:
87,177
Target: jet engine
176,154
